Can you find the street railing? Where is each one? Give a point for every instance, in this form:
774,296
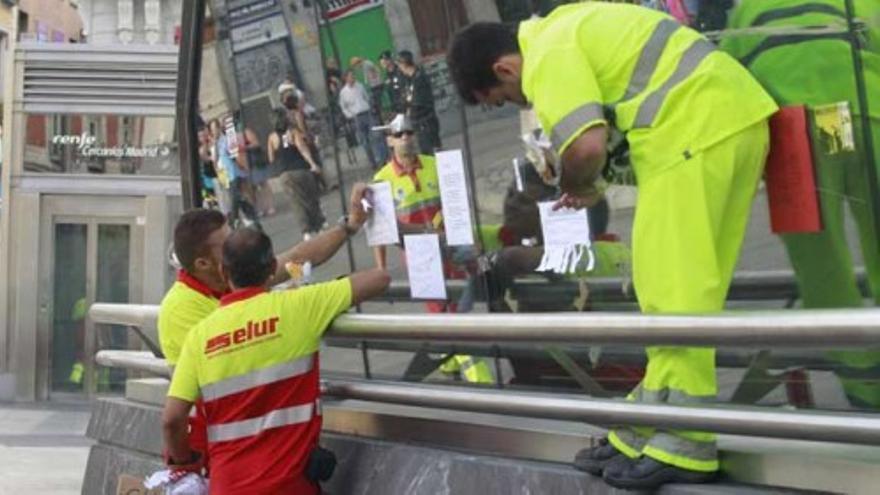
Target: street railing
813,329
751,421
765,329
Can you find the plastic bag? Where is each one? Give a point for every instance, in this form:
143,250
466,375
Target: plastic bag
176,483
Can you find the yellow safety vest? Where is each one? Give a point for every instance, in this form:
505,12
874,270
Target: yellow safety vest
663,84
417,195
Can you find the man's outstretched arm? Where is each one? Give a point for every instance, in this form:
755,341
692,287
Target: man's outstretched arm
323,246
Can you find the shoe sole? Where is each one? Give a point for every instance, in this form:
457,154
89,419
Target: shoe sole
660,478
594,467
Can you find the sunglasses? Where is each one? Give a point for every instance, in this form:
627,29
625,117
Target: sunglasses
399,135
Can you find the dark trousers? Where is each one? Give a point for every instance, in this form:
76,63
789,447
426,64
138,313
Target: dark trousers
376,150
428,133
240,203
302,187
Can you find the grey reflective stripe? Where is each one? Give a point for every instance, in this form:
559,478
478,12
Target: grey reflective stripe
571,123
682,447
689,61
257,378
630,438
254,426
650,56
668,395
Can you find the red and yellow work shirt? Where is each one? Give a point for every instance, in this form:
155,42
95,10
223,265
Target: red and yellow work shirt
254,363
188,302
416,192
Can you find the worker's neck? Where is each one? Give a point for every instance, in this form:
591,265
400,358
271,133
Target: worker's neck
236,288
215,283
408,162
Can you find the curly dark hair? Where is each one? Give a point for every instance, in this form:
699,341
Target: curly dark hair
473,51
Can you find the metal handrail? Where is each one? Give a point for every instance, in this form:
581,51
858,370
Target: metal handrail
802,329
746,286
753,421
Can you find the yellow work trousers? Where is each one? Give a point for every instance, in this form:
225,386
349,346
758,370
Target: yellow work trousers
689,225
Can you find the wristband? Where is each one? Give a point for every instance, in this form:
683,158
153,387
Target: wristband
349,230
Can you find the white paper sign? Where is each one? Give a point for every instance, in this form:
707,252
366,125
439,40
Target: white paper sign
454,199
381,226
424,265
564,227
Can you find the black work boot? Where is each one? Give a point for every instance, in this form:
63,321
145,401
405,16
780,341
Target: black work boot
593,460
646,473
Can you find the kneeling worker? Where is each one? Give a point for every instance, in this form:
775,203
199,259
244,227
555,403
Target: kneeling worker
254,364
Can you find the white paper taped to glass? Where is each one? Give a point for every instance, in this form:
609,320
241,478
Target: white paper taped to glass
567,246
454,198
424,266
381,225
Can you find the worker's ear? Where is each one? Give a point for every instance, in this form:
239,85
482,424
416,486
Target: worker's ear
202,264
507,68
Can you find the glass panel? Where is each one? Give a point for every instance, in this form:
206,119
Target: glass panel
100,144
69,307
114,242
247,78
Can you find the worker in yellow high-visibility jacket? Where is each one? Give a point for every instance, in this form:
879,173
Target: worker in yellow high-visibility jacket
696,122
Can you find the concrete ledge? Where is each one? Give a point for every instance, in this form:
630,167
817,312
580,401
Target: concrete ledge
107,462
386,449
147,390
128,425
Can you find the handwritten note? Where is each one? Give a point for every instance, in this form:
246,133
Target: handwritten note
381,226
564,227
454,199
424,266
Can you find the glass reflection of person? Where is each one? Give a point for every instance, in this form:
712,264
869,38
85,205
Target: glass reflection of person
819,73
289,154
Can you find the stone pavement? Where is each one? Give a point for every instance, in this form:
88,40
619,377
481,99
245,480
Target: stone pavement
43,448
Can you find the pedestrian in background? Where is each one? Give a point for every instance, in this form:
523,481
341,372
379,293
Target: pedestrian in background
355,105
372,77
255,156
289,154
298,111
393,84
234,177
418,102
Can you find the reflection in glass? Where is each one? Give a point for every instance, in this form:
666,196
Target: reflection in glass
112,286
246,79
69,307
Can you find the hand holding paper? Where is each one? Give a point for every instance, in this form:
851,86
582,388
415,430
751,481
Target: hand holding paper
381,226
